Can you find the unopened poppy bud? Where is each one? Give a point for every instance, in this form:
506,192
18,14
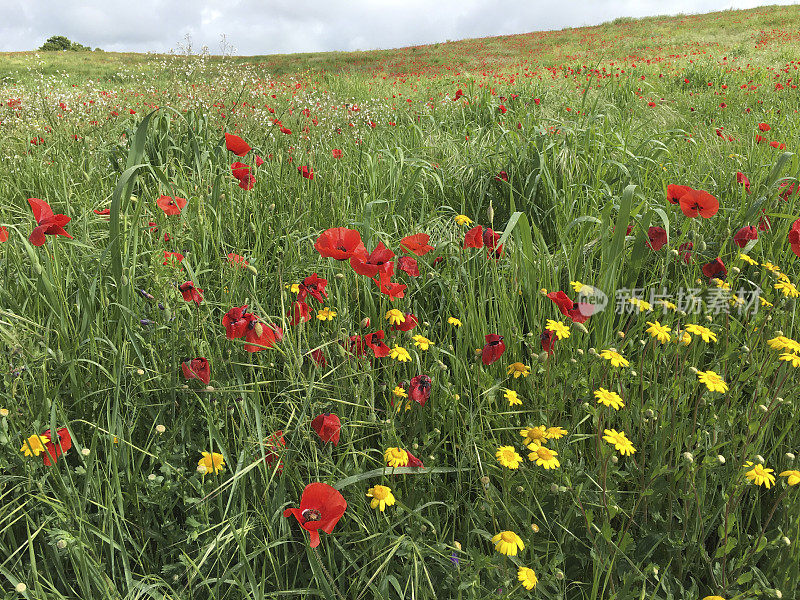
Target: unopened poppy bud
529,334
426,324
763,407
709,318
759,459
201,469
779,400
140,371
735,270
431,274
442,366
746,349
339,276
365,322
581,326
209,388
682,313
490,213
776,593
184,387
423,528
786,541
252,269
790,455
688,457
615,459
642,343
694,370
674,252
573,360
579,351
701,246
720,459
592,351
258,330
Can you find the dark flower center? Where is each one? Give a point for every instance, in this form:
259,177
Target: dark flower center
311,514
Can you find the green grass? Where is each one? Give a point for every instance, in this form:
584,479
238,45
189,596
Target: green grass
126,514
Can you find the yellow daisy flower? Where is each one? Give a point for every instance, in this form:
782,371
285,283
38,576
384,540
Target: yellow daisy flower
609,398
793,477
562,331
620,441
760,475
399,391
35,445
659,331
395,317
787,289
642,305
518,369
400,353
555,433
396,457
422,342
527,577
211,462
512,397
545,457
508,457
381,497
794,359
713,382
454,322
748,260
326,314
508,543
462,220
534,435
703,332
617,360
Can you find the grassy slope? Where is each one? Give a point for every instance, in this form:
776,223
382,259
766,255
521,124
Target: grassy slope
84,349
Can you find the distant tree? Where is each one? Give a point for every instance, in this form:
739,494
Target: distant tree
57,42
60,43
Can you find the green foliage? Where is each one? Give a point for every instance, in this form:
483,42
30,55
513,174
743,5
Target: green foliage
60,43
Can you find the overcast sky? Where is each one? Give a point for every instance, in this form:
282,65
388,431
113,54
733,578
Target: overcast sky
270,26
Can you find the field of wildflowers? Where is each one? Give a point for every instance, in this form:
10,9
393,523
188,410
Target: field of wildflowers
498,318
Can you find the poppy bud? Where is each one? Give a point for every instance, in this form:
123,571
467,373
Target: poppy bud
790,455
786,541
701,246
339,276
759,459
252,269
694,370
490,214
365,322
720,459
688,457
614,459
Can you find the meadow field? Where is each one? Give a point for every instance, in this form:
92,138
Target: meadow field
500,318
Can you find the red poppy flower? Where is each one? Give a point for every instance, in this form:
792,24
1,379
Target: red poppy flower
339,243
259,161
389,287
274,445
715,269
3,234
493,349
354,345
698,202
306,172
413,461
375,342
236,144
474,238
764,223
54,450
171,206
419,389
321,507
685,250
237,259
578,312
501,176
336,153
787,189
674,192
458,94
260,336
327,427
197,368
502,109
407,325
408,266
103,212
235,322
240,169
742,179
300,312
416,244
763,127
657,237
744,235
191,293
247,182
794,237
313,285
318,356
177,256
370,264
47,222
548,340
